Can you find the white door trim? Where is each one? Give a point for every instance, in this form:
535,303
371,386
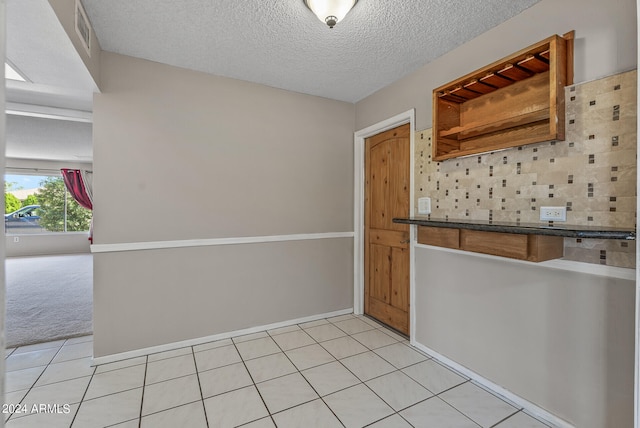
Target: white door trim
358,209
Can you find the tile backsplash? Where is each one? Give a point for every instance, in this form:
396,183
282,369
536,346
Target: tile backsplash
592,172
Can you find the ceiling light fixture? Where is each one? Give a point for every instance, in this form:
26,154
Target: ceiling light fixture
330,11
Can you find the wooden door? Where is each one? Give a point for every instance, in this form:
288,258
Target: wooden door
387,178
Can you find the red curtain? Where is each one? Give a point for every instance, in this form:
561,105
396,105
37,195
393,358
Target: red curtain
73,180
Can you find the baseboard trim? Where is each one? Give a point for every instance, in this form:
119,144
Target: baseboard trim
517,401
158,245
201,340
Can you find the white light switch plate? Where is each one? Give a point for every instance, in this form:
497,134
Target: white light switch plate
424,205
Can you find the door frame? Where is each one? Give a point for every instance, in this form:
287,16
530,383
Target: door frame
358,210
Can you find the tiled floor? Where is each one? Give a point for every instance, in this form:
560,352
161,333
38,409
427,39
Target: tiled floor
346,371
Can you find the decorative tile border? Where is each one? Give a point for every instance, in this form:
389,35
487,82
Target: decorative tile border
592,173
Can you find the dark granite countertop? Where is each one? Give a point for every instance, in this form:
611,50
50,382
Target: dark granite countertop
565,230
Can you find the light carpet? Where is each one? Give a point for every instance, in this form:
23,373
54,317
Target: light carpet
48,298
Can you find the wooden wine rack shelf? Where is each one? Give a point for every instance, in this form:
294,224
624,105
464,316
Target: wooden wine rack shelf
517,100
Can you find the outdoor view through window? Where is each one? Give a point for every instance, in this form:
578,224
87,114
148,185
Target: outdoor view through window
41,204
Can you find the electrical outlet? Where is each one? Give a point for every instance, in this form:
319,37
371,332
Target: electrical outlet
553,213
424,205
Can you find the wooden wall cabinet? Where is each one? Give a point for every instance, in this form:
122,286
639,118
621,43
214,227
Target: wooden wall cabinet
533,248
515,101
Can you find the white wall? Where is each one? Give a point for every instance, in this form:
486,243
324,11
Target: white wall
181,155
534,331
2,251
46,244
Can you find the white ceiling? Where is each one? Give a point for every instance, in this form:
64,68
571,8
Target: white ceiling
276,43
282,44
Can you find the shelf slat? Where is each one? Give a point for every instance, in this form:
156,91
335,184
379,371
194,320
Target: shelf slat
514,72
495,80
534,64
475,129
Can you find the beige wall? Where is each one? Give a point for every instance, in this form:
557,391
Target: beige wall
65,10
182,155
562,340
149,298
559,339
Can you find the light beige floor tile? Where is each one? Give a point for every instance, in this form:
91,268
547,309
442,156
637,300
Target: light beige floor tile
400,355
309,356
313,413
135,423
293,339
22,379
393,421
282,330
39,346
109,410
248,337
436,413
217,357
169,354
357,406
484,408
212,345
235,408
28,360
373,339
286,392
170,368
13,399
224,379
121,364
74,351
79,339
257,348
61,393
353,326
260,423
329,378
66,370
340,318
434,376
171,393
315,323
393,334
521,420
324,332
367,365
398,390
269,367
343,347
59,418
187,416
369,321
116,381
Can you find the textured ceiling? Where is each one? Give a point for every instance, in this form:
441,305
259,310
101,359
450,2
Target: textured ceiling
282,44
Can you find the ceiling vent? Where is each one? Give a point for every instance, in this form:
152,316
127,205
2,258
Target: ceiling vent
83,27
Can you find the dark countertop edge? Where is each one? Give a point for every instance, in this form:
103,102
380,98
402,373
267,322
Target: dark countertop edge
564,231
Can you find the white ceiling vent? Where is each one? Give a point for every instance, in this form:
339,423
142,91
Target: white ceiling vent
83,27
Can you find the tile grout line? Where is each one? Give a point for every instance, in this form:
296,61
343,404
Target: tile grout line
144,386
204,409
308,383
264,403
83,395
34,382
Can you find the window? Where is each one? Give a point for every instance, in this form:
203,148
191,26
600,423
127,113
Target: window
41,204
